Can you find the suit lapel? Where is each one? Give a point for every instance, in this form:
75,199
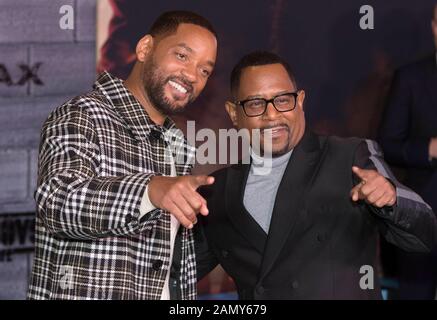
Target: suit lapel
237,213
290,198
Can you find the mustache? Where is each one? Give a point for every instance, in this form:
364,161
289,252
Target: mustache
186,83
274,125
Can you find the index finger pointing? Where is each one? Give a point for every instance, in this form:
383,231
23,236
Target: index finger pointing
363,174
202,181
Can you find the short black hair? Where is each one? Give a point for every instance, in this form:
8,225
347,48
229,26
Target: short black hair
168,22
257,58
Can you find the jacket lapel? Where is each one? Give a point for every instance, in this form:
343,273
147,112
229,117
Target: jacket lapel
237,213
290,198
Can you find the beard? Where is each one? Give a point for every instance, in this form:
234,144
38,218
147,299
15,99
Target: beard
267,146
154,82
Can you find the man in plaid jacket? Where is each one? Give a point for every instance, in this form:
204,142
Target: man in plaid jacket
113,179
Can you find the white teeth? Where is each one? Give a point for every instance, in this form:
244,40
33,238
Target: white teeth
274,129
178,87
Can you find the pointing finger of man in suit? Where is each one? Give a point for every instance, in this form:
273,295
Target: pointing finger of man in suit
374,188
178,195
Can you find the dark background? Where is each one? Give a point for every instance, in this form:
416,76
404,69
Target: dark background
345,70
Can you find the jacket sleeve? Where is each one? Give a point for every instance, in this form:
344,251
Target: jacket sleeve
410,224
206,260
72,200
400,148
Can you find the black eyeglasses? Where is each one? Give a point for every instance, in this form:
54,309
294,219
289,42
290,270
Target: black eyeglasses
256,107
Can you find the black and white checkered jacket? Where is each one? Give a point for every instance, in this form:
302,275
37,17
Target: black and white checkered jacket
97,154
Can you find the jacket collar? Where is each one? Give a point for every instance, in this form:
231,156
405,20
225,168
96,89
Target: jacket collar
289,205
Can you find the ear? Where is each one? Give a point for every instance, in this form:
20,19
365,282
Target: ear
144,47
300,99
231,109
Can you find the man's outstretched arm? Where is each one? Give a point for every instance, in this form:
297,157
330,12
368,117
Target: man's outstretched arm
407,221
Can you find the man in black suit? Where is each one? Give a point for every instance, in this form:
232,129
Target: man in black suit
408,136
308,229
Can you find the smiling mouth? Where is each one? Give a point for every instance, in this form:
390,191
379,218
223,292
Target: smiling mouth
275,130
178,87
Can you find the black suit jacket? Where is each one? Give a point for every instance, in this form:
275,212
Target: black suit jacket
318,238
409,121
